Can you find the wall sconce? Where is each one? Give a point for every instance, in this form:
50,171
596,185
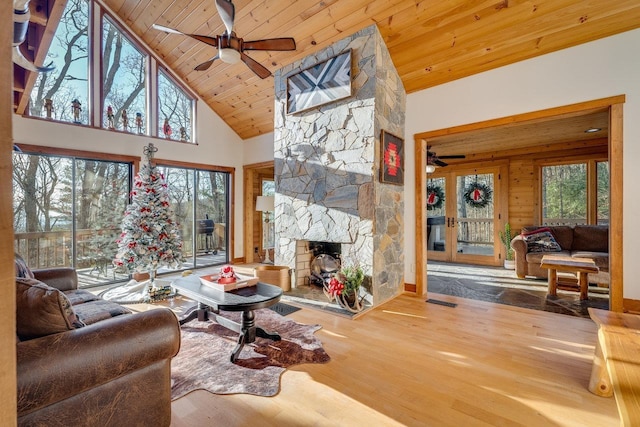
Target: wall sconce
431,168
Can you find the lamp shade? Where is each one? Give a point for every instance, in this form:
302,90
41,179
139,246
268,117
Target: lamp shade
265,203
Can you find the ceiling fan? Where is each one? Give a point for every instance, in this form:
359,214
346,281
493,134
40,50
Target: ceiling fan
231,48
434,160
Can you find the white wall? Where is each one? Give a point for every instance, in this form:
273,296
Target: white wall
599,69
217,144
258,149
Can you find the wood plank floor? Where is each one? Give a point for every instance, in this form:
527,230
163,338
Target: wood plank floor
409,363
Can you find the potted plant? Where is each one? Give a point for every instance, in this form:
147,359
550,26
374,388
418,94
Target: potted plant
344,287
506,237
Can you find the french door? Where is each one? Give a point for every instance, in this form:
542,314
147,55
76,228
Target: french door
464,215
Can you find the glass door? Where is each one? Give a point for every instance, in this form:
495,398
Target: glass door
463,216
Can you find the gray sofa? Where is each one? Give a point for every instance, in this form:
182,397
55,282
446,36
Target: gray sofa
580,241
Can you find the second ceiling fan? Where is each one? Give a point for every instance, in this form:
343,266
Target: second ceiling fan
435,160
230,47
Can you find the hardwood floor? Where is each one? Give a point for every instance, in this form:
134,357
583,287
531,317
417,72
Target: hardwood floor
417,364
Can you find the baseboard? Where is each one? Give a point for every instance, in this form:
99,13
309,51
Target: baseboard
238,260
410,287
631,305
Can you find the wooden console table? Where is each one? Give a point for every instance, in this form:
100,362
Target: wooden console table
581,267
616,363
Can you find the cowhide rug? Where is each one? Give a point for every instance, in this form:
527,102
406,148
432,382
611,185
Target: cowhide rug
203,361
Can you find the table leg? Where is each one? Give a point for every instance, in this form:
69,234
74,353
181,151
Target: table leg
583,282
553,282
200,311
248,333
600,382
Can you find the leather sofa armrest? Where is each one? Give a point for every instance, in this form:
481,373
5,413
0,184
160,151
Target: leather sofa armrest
55,367
519,247
62,278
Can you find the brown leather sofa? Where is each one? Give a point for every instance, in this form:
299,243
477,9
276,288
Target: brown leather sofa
113,372
580,241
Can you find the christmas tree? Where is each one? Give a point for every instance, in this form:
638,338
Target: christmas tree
150,238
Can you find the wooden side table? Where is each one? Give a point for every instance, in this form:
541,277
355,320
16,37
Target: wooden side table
581,267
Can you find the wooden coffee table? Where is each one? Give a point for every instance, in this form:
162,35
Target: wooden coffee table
581,267
246,300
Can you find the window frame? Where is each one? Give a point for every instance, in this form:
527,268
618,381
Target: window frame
188,92
592,180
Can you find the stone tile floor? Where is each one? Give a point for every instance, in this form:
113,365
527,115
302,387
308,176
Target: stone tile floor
500,286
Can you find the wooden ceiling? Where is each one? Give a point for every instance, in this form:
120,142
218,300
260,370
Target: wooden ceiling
583,131
431,42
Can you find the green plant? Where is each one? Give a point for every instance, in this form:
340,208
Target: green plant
352,278
505,238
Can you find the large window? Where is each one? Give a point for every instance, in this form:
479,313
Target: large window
126,70
63,94
67,212
200,200
175,110
570,197
124,87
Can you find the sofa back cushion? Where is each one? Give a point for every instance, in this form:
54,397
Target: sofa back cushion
594,238
564,235
42,310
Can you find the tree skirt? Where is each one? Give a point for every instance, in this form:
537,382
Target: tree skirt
132,292
203,361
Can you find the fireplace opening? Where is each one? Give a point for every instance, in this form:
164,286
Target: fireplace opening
326,261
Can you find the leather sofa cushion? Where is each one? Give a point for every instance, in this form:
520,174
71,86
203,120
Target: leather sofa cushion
80,296
42,310
594,238
600,258
95,311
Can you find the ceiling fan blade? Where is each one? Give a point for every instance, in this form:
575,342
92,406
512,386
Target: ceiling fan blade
284,43
439,162
227,12
167,29
212,41
257,68
205,65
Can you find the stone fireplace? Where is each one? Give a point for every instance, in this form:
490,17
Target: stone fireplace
327,168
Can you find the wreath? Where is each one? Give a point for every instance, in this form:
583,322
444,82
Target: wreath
477,195
435,197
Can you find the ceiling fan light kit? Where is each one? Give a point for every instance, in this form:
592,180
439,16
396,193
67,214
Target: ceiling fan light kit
231,48
229,55
431,168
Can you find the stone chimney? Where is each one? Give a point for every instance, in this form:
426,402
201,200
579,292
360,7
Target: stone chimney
327,167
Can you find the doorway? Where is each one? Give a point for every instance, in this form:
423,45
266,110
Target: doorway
464,212
506,139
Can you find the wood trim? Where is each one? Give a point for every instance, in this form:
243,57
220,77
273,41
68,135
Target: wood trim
541,115
421,217
202,166
93,155
616,221
631,305
251,173
8,388
410,287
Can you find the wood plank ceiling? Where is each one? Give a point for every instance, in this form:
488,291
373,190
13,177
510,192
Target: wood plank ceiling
431,42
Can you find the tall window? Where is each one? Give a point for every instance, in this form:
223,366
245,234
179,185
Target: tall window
569,198
67,212
63,94
175,110
200,200
124,80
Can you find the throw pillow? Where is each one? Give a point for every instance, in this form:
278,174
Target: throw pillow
42,310
22,269
541,240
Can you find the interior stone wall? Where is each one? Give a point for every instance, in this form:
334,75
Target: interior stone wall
327,167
